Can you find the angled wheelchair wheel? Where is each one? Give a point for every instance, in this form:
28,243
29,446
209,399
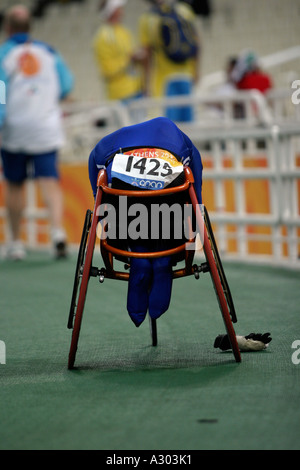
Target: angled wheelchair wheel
220,284
219,265
82,275
79,266
217,273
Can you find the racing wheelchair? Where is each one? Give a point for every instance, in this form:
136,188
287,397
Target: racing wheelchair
111,251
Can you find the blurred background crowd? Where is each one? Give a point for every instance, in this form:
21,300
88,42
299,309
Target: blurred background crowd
226,28
121,77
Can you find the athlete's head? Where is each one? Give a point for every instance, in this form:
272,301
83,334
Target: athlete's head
111,8
17,20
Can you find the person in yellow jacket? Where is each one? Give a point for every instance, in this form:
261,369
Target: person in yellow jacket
163,76
116,55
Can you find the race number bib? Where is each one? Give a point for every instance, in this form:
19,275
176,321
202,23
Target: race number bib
146,168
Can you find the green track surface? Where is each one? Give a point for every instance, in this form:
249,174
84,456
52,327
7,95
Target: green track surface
128,395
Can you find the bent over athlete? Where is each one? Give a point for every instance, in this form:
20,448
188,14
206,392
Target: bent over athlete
150,280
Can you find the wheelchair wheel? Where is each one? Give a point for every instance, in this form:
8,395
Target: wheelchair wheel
79,266
220,285
221,272
153,331
83,270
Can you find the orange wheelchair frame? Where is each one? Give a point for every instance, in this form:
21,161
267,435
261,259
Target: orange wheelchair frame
85,270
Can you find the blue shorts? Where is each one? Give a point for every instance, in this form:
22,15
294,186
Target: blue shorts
17,167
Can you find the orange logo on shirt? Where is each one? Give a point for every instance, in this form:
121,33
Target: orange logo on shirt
29,64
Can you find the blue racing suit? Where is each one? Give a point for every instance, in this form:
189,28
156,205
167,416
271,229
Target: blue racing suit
150,280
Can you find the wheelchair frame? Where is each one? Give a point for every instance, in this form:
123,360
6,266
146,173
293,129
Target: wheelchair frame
85,270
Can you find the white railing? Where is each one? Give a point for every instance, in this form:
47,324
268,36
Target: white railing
283,110
87,123
219,139
210,109
280,171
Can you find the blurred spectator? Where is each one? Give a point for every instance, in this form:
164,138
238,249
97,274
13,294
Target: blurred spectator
40,6
229,88
200,7
116,54
247,74
36,79
163,75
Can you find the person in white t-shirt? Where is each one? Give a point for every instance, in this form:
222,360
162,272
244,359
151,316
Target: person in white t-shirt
36,79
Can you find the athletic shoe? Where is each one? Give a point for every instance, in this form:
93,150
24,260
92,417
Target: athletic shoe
60,250
59,243
15,251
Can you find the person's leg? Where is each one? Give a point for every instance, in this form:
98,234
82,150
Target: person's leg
161,287
140,277
14,169
53,199
15,205
138,288
179,87
48,179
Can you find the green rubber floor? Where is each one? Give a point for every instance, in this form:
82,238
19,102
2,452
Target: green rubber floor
126,394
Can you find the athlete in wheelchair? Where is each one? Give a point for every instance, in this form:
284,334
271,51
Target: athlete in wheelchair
135,170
